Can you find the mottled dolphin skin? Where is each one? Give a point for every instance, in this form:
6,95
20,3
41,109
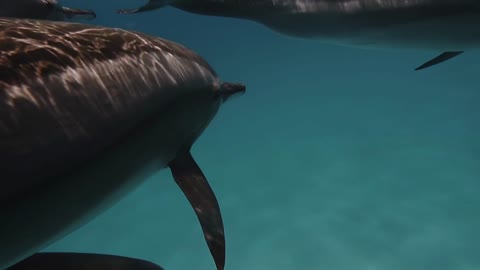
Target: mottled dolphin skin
449,26
41,10
86,114
82,261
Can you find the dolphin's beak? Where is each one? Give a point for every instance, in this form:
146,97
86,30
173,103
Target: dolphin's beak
228,90
85,13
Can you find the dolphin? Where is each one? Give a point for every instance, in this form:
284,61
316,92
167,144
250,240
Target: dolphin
42,10
86,114
449,26
82,261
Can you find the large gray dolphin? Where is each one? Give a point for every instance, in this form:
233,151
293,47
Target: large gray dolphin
41,9
449,26
86,114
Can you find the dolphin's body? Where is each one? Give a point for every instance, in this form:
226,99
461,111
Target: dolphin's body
450,26
86,113
42,10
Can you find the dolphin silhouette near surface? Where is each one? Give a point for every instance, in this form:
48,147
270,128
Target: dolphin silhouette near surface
42,10
86,114
450,26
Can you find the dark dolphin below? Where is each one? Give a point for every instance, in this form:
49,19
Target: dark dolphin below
450,26
86,114
82,261
42,10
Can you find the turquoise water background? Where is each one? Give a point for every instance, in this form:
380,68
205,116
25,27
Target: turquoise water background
335,158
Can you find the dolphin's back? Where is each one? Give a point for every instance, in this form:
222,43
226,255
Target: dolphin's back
68,91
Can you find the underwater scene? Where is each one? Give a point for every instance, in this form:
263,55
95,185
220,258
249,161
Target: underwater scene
335,157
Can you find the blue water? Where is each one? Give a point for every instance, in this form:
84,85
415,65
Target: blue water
336,158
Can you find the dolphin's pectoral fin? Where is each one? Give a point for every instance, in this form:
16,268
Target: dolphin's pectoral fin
151,5
439,59
81,261
191,180
71,12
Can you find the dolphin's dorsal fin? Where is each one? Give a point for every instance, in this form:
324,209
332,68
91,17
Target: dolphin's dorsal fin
439,59
150,5
192,182
81,261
